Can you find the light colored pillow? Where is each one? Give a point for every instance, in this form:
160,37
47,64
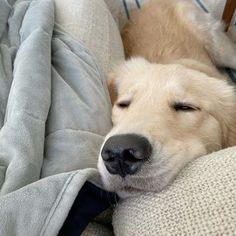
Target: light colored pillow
201,201
91,22
79,115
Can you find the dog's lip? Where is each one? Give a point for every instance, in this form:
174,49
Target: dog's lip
126,185
129,191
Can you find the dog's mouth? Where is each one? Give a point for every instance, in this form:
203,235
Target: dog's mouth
153,176
130,165
129,191
121,155
130,185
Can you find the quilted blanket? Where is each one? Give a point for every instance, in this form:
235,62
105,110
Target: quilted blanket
47,148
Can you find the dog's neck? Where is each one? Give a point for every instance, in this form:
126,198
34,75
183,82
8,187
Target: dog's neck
210,70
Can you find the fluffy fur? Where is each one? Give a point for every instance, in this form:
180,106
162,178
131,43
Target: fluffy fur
173,50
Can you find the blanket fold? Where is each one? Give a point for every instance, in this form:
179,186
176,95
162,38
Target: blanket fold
22,134
51,89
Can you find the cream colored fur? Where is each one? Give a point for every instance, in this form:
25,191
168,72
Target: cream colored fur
173,49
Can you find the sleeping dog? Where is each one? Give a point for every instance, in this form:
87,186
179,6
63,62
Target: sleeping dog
170,103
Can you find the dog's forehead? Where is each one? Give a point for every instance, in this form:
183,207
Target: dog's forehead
157,79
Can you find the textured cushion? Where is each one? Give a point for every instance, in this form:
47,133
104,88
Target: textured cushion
201,201
92,23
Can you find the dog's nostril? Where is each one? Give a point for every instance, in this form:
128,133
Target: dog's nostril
129,155
108,156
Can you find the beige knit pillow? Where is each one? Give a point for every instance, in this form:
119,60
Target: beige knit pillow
201,201
91,22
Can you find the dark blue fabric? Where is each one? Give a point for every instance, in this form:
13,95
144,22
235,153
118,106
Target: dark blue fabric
230,74
90,202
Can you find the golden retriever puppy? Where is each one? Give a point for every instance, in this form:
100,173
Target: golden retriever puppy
170,103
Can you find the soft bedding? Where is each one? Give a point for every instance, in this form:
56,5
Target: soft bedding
54,112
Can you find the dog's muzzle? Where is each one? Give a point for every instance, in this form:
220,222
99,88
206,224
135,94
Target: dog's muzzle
124,154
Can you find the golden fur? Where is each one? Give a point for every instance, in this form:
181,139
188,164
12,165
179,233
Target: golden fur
172,58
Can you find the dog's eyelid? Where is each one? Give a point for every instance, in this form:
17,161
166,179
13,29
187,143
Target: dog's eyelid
123,103
186,107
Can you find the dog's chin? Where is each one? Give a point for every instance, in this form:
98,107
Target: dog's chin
121,187
133,185
128,192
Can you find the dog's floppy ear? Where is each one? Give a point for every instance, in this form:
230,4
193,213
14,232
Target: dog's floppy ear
227,115
126,69
230,129
196,65
220,102
231,135
111,84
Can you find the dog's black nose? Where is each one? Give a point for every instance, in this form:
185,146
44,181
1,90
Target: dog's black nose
124,154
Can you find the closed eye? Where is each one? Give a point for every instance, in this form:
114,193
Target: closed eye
123,104
185,107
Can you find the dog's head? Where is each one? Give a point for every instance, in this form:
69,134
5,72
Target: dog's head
164,116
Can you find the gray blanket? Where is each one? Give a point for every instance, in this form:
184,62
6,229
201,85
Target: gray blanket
54,112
